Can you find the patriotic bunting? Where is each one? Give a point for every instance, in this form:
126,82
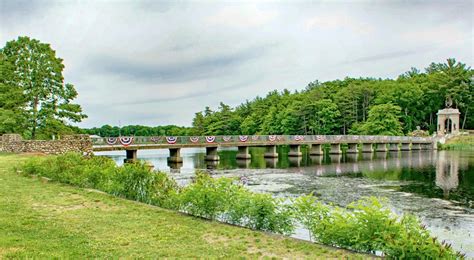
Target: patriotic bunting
171,139
194,139
210,139
111,140
243,138
126,141
298,138
227,138
272,138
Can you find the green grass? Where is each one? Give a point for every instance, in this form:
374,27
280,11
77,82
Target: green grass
462,142
43,220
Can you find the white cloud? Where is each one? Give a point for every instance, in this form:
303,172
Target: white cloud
244,16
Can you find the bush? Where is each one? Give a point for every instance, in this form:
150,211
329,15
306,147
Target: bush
132,181
224,200
369,226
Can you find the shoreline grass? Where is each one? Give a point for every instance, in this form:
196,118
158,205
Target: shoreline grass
39,219
459,143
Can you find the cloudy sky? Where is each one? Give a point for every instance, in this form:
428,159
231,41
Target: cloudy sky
158,62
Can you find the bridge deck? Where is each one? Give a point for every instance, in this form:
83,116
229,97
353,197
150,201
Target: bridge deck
167,142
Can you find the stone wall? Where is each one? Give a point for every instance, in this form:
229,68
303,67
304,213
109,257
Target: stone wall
13,143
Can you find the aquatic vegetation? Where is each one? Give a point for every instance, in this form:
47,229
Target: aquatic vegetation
367,225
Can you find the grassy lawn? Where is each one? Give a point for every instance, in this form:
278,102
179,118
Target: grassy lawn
462,142
44,219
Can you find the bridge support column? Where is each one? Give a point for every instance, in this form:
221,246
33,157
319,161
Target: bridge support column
175,155
335,149
211,154
393,147
271,152
427,146
381,147
415,146
405,147
367,148
315,149
131,156
243,153
295,151
352,148
271,162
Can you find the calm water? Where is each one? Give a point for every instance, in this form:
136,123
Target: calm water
438,186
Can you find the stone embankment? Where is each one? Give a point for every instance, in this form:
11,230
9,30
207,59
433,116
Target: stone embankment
14,143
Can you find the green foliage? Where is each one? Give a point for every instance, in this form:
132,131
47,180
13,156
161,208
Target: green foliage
383,120
139,130
37,73
339,106
368,225
132,181
224,200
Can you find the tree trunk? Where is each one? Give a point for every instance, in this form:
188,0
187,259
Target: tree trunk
464,120
35,118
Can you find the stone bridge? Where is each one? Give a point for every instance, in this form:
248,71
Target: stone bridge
355,144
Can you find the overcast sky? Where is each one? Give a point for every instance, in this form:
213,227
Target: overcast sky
158,62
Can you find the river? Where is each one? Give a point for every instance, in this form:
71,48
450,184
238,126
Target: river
437,186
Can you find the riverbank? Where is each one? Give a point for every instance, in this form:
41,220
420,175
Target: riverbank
45,219
461,142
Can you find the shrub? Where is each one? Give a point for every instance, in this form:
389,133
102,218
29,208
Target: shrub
224,200
369,226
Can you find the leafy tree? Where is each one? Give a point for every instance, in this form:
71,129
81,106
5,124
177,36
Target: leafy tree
38,72
12,100
383,120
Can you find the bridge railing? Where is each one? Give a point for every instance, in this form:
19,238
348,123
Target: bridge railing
250,139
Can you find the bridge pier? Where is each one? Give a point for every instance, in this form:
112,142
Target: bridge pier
426,146
415,146
381,147
131,156
243,163
405,147
175,155
335,149
393,147
352,148
243,153
295,151
211,154
271,162
271,152
367,148
315,149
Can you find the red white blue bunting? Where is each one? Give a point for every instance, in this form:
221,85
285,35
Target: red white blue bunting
298,138
194,139
243,138
319,137
227,138
111,140
210,139
125,140
171,139
272,138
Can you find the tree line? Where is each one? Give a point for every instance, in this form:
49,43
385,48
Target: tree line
350,106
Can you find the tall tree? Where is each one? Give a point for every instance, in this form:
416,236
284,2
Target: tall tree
38,72
383,120
12,100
